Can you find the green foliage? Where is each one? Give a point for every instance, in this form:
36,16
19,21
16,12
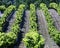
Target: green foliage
15,28
33,23
2,7
19,13
33,40
2,38
54,33
5,15
10,37
55,6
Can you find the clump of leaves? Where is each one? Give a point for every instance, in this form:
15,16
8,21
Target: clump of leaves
33,40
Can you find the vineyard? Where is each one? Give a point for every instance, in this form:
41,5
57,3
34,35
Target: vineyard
30,24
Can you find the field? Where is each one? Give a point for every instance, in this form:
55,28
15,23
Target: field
30,24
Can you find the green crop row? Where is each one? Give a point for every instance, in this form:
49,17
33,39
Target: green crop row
33,24
55,6
32,38
7,12
54,33
19,13
10,37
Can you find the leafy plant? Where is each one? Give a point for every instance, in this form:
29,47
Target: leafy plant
33,40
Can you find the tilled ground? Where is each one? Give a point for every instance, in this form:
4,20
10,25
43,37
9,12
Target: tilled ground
56,18
43,29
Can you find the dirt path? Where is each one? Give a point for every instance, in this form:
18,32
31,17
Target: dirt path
56,18
1,14
49,43
11,21
25,28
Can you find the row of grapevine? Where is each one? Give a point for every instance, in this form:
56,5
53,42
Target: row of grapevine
19,13
54,33
10,37
33,23
55,6
5,15
32,38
